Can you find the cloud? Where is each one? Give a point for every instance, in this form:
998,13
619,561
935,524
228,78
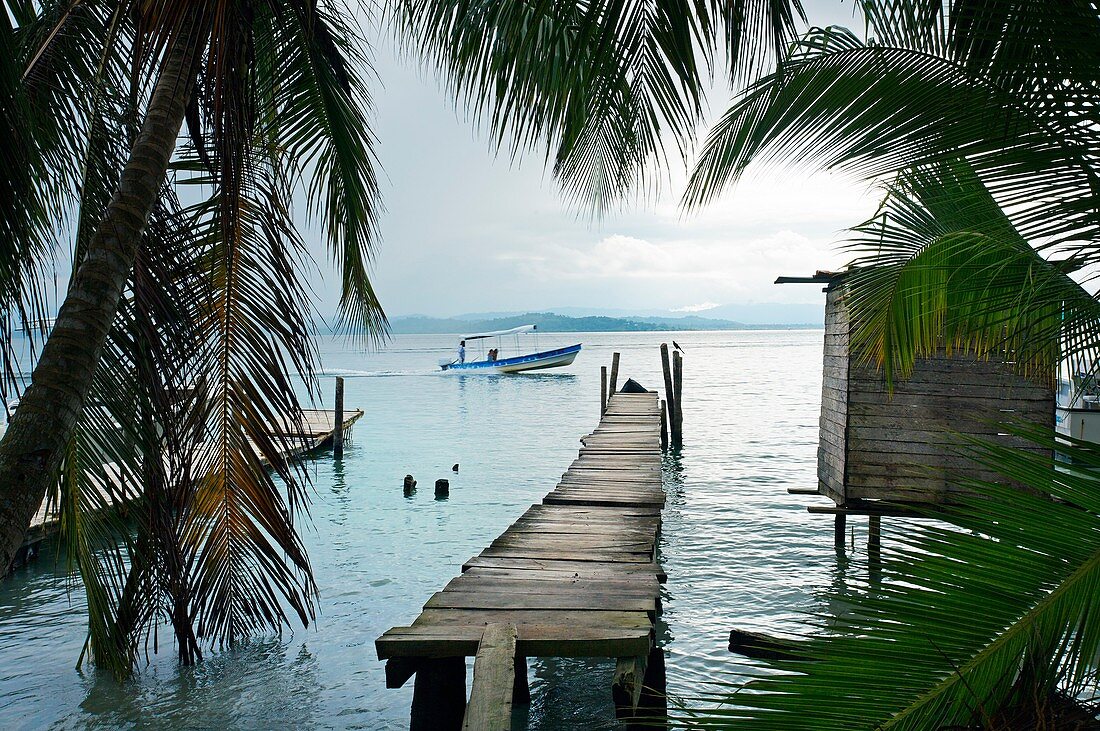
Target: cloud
701,307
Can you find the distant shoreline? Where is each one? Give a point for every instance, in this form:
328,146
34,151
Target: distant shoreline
552,322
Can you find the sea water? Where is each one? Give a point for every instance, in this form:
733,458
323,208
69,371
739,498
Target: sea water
739,550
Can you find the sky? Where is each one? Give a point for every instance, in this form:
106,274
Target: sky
466,230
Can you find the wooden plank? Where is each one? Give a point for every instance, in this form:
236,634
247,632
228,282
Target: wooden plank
591,601
490,705
579,569
574,619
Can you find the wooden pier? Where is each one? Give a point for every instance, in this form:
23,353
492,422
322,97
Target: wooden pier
574,576
316,429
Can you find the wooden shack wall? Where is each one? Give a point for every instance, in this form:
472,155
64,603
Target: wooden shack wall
903,446
875,445
831,448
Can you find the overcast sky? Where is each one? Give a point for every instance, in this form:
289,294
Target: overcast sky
466,231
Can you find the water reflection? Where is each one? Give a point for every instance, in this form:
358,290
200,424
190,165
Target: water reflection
278,687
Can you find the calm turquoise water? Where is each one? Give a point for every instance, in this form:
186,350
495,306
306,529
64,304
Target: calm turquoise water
738,549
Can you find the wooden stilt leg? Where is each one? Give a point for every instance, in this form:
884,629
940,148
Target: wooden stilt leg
874,533
838,531
521,690
439,695
653,705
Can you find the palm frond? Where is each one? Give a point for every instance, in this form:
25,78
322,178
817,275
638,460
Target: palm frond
941,266
876,110
984,624
318,114
601,86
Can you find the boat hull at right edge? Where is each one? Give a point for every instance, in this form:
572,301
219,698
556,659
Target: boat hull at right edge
1078,423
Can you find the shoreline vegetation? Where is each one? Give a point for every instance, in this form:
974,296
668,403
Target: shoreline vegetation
553,322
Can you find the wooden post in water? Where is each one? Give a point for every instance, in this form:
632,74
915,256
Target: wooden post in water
838,531
670,394
338,431
874,533
603,389
439,695
678,413
614,384
664,425
521,689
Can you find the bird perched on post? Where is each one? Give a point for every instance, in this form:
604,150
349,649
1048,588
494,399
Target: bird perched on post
677,346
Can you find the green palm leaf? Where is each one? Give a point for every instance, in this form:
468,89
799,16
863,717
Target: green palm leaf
941,265
601,86
986,624
876,110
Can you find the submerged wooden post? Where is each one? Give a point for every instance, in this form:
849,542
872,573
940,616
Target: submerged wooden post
678,412
874,533
338,431
439,695
603,389
670,394
614,384
664,425
838,531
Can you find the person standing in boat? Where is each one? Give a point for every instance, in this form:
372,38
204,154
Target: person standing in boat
461,351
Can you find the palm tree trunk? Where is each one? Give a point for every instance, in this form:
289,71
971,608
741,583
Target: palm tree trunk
32,449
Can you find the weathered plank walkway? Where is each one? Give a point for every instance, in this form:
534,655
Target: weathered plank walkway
317,429
576,576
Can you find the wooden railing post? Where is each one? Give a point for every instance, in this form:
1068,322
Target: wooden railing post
338,430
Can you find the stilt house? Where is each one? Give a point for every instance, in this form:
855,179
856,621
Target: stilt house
900,446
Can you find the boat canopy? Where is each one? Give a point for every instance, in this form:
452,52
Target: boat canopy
498,333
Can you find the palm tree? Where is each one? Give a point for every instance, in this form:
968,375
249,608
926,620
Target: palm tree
979,119
184,320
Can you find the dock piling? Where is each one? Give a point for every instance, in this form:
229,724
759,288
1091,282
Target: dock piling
678,387
442,488
521,689
338,423
439,695
670,393
603,389
614,383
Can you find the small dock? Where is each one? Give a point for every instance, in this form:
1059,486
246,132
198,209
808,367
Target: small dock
315,430
574,576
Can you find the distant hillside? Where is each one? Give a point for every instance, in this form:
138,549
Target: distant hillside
552,322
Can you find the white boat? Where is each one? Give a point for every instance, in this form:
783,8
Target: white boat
491,362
